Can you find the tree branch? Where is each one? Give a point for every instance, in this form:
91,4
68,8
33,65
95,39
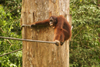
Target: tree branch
10,52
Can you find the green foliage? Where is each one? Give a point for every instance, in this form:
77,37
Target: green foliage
84,47
10,27
2,16
13,60
14,7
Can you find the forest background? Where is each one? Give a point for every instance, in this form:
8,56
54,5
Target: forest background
84,44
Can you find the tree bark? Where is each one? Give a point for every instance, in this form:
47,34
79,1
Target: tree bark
43,54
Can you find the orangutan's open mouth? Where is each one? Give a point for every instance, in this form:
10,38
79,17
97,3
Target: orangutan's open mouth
51,23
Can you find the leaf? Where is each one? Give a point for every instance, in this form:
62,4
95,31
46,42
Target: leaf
80,0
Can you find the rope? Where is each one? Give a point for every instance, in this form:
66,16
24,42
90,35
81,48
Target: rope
26,25
10,52
28,40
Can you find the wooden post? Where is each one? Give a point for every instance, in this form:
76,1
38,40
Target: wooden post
43,54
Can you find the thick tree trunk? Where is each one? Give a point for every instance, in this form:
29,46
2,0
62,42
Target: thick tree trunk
43,54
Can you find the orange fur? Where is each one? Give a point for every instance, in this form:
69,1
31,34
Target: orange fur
62,30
